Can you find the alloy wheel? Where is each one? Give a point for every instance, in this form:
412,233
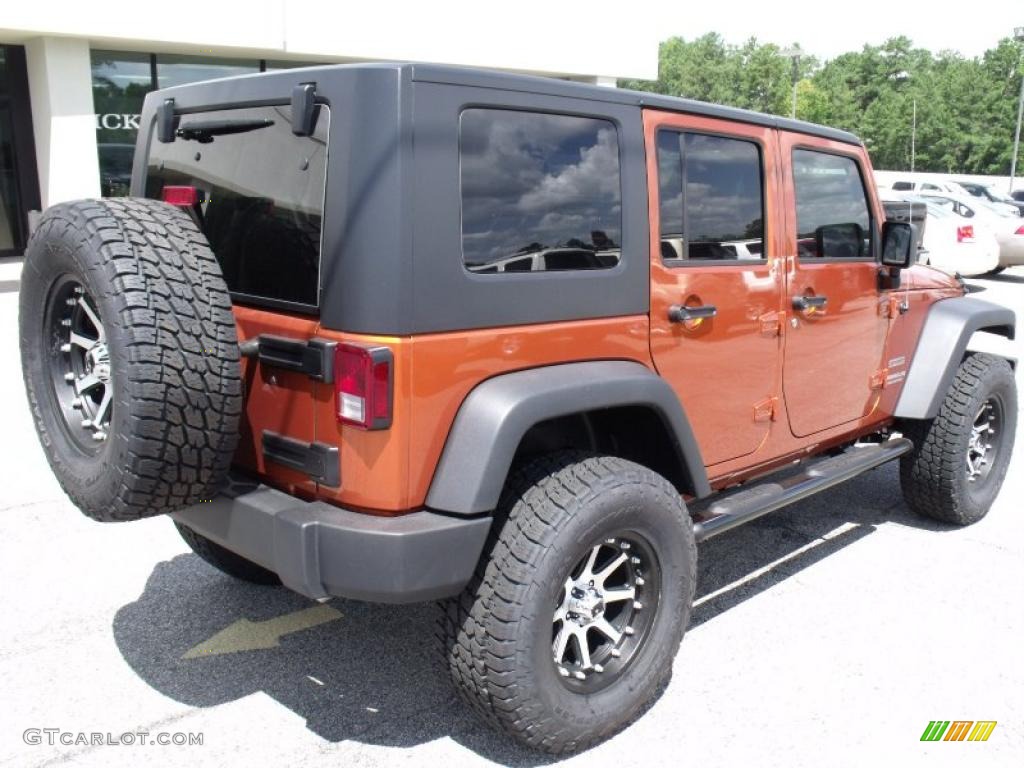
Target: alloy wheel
604,611
80,366
983,442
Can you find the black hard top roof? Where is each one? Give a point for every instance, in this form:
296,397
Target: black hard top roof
483,78
548,86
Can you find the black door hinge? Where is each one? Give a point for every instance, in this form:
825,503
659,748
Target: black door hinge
313,357
321,462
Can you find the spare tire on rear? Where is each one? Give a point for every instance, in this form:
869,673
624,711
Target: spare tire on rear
130,356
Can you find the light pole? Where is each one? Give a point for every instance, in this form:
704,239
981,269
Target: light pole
794,55
902,77
1018,35
913,136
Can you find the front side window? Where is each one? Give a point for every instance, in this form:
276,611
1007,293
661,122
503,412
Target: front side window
540,192
711,201
833,220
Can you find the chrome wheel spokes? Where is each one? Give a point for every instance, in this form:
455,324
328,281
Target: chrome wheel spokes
979,448
83,365
606,604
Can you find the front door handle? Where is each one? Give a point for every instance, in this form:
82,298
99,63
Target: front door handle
678,313
804,303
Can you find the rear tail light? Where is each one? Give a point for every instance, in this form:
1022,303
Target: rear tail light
185,197
1020,230
362,385
965,234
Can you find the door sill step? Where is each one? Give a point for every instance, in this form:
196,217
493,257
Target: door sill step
768,496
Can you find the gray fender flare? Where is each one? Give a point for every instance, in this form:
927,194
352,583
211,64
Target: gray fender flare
941,348
494,417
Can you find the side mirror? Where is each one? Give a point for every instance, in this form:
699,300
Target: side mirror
899,244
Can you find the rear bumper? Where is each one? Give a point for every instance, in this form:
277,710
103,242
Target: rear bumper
323,551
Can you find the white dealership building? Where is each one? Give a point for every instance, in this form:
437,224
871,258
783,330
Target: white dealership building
73,74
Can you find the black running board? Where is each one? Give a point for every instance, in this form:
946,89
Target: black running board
768,496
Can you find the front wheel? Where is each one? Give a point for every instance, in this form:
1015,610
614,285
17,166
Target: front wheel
961,456
570,628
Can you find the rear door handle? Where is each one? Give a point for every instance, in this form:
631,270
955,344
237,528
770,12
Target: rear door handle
803,303
678,313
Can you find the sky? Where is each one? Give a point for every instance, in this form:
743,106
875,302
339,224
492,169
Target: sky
828,29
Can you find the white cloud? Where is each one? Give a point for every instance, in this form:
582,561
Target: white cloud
596,175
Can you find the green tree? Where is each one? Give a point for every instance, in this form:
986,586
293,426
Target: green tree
965,108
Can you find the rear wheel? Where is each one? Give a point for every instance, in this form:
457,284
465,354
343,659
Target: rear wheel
129,356
961,456
570,629
224,560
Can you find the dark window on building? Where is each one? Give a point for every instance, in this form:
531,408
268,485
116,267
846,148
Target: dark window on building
542,185
263,219
19,179
711,201
12,237
175,69
120,82
10,216
832,215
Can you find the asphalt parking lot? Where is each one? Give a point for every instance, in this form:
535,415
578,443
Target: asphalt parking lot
829,633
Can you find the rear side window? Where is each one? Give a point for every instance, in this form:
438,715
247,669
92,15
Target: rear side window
902,186
261,193
833,220
540,192
711,201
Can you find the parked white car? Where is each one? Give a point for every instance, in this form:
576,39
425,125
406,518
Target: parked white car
907,186
911,185
992,195
951,242
1006,226
551,259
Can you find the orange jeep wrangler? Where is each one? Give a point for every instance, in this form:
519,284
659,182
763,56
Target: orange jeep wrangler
404,333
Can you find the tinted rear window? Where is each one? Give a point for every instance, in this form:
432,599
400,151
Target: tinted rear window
540,184
262,198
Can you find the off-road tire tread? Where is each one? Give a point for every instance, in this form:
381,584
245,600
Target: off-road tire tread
183,374
930,474
475,631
